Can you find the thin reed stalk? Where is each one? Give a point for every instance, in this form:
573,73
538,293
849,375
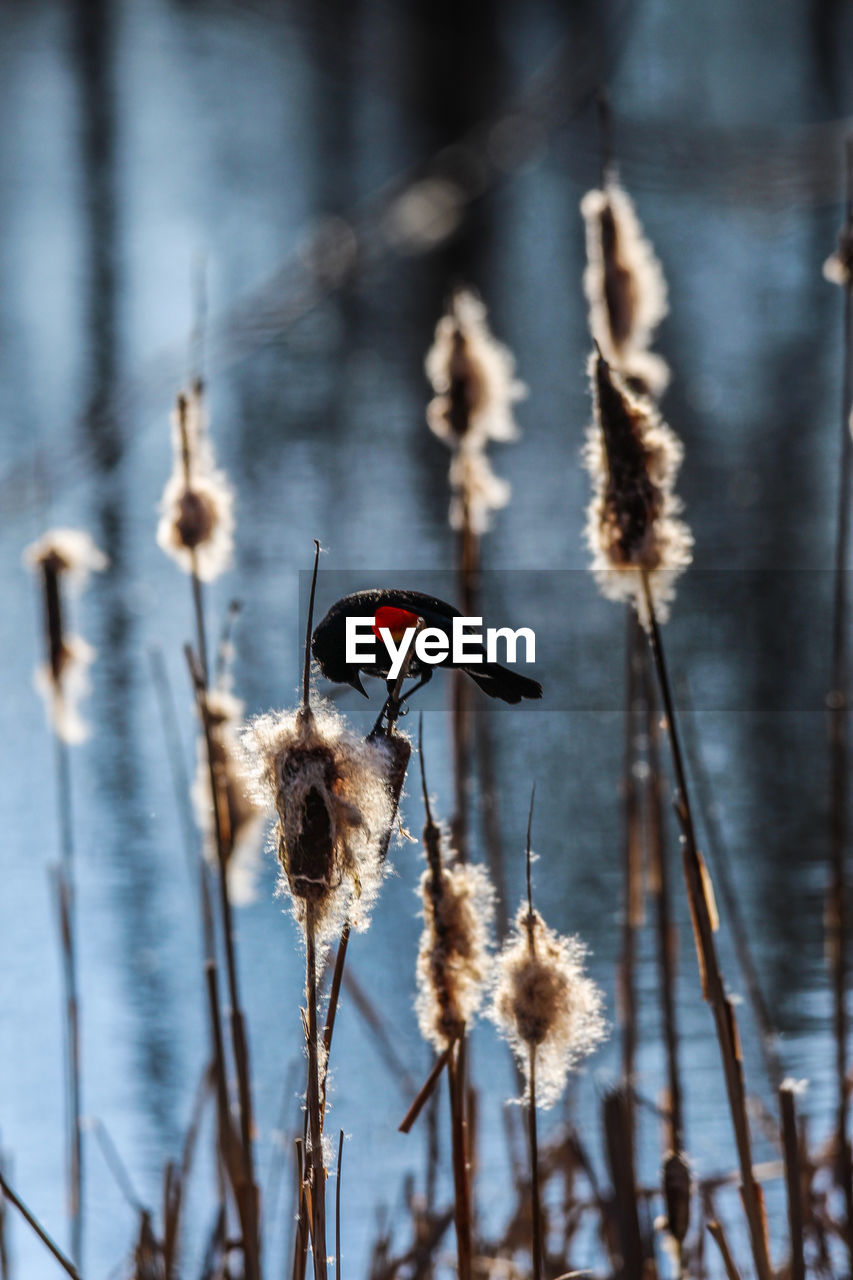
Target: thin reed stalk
793,1177
837,702
33,1222
713,989
65,901
535,1190
632,865
718,1235
317,1181
459,1144
666,958
338,1207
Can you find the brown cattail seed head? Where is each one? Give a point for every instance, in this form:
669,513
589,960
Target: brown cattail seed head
838,268
196,526
632,526
243,825
473,377
63,680
543,1001
625,288
676,1192
453,959
330,790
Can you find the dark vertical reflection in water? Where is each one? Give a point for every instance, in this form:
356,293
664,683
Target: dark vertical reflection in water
120,844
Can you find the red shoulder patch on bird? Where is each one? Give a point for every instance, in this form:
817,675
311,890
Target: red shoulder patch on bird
397,621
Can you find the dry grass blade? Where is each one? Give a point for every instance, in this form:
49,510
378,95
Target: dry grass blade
338,1207
66,1264
425,1092
617,1129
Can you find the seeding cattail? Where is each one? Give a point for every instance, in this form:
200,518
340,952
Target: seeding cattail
196,525
838,268
242,821
334,809
632,523
473,376
63,679
625,288
543,1000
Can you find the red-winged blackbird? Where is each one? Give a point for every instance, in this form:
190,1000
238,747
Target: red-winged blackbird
399,610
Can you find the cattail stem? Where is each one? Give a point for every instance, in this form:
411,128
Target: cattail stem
315,1122
836,913
663,916
793,1178
64,888
246,1193
338,1207
535,1191
459,1140
39,1230
718,1235
632,873
712,981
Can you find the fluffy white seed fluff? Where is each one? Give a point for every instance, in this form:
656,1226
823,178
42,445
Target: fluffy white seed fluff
246,816
330,791
453,959
625,287
633,523
196,523
60,556
544,1000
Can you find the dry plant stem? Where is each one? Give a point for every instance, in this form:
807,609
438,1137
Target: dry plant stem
632,870
426,1090
663,915
459,1139
247,1192
718,1235
338,1208
39,1230
64,886
721,864
712,981
535,1194
300,1247
468,557
315,1119
836,912
793,1179
617,1130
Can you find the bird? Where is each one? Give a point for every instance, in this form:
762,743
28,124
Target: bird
398,611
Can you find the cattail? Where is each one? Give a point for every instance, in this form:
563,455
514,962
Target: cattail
453,959
473,376
544,1001
63,680
838,268
333,805
243,820
625,288
196,525
632,527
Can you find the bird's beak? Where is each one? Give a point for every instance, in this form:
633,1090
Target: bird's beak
356,684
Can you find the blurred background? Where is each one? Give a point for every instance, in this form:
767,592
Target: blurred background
333,171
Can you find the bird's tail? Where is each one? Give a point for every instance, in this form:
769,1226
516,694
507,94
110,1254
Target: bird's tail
500,682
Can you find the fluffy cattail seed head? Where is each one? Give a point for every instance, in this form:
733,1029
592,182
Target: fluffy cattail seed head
632,522
544,1001
333,806
63,679
838,268
625,288
473,376
453,959
196,525
244,815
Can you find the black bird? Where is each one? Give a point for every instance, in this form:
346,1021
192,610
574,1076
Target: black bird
399,610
